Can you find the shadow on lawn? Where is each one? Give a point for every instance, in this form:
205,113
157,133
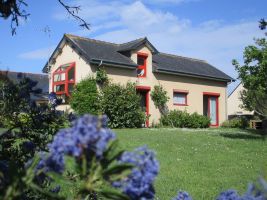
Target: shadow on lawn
247,135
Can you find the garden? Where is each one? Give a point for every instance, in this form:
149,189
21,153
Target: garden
47,154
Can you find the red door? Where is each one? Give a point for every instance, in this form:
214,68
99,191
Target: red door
143,91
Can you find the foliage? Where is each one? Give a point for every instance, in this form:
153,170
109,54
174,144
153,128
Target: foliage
99,163
101,76
85,97
239,122
14,10
30,129
178,118
160,98
253,76
122,106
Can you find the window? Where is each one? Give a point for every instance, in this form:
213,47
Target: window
180,97
141,61
64,80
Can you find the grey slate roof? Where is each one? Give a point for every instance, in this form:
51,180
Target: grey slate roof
42,79
177,64
96,51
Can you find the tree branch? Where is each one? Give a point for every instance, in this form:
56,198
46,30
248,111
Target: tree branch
73,11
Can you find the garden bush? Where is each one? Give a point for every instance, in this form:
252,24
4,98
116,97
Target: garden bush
85,97
181,119
121,104
238,122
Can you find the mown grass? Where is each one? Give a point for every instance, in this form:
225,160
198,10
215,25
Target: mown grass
202,162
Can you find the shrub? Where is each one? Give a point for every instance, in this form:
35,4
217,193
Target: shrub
239,122
85,97
198,121
101,76
122,106
178,118
160,98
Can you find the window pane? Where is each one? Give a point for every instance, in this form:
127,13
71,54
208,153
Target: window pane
140,60
140,72
59,77
59,88
71,74
179,98
70,87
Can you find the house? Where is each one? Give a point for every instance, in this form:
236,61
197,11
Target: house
193,85
42,83
234,103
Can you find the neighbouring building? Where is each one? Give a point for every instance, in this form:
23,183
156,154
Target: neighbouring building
193,85
42,83
235,103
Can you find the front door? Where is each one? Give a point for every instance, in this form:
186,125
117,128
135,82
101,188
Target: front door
144,94
211,109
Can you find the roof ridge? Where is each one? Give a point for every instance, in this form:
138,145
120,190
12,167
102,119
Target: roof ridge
90,39
142,38
173,55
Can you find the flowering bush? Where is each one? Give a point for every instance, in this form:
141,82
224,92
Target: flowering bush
102,169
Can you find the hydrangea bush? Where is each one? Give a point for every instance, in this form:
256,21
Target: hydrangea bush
99,162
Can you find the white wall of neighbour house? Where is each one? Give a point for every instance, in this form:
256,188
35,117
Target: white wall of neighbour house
234,103
195,86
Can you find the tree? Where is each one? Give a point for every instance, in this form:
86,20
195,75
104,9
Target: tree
253,75
15,10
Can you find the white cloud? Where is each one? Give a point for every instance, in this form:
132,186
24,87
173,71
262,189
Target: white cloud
213,40
38,54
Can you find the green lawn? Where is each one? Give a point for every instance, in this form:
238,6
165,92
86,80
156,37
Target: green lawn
202,162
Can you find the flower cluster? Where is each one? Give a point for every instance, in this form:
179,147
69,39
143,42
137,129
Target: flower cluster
182,196
139,183
251,194
88,135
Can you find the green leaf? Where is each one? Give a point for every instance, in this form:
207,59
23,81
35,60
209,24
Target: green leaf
117,169
112,193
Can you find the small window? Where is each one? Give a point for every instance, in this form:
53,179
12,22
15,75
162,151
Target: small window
141,61
180,98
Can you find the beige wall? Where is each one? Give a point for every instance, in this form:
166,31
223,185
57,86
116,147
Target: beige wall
195,86
234,103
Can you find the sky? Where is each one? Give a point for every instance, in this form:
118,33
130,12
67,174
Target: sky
213,30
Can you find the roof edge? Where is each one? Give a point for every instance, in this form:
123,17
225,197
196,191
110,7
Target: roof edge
193,75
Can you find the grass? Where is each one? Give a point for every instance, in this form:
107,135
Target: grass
202,162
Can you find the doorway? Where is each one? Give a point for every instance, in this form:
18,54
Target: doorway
211,107
143,91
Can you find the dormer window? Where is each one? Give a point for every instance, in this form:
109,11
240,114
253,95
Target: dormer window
64,80
141,61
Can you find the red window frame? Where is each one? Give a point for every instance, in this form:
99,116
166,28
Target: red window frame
184,92
142,67
66,82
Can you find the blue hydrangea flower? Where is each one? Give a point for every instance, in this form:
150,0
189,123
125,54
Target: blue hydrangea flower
139,183
228,195
251,194
89,134
182,196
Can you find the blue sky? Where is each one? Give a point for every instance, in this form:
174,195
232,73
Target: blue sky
213,30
